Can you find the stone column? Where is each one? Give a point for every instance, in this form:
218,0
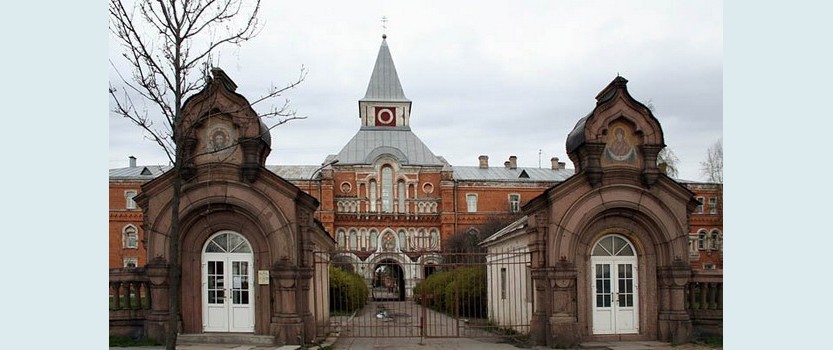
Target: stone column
564,320
286,326
156,326
539,326
674,324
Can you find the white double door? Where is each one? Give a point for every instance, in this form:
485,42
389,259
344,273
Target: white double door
615,295
228,296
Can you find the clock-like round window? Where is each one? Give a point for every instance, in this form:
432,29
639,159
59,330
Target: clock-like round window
346,187
427,187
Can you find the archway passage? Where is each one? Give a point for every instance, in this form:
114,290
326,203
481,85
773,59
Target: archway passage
614,287
388,281
227,294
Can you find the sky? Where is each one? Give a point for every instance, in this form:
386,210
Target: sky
486,78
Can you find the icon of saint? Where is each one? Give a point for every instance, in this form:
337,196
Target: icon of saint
620,149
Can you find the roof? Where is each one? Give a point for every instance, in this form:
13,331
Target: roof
507,174
384,83
138,172
369,143
517,225
294,172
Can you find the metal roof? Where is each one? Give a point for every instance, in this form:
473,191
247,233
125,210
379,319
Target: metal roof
507,174
518,224
384,83
369,143
148,172
294,172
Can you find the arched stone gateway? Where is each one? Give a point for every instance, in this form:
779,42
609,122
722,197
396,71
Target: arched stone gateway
246,235
607,244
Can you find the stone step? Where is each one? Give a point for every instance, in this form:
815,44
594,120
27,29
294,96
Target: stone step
226,338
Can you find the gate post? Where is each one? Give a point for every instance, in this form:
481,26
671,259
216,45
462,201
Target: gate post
564,322
674,323
157,320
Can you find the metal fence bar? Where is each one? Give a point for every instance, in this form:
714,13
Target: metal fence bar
463,295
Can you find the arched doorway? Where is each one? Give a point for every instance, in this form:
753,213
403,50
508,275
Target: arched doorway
614,286
388,281
227,293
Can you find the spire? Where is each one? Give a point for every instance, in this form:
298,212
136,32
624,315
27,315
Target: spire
384,83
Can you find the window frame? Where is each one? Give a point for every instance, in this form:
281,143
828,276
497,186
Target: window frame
700,207
129,201
469,207
712,205
127,232
133,259
702,235
515,206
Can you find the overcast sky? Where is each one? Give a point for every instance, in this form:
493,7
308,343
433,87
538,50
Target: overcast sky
492,78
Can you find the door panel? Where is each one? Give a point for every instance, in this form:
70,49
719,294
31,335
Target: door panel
227,294
614,296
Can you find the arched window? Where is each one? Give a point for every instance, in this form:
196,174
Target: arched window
340,238
372,196
613,246
374,238
402,206
714,242
130,237
228,243
701,240
402,242
354,242
387,189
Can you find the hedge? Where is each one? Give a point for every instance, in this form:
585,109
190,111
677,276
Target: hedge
348,292
458,292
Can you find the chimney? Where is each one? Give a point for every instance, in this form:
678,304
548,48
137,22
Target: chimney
132,161
556,164
506,164
562,165
513,162
484,162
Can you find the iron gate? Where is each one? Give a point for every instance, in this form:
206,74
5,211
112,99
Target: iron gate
453,295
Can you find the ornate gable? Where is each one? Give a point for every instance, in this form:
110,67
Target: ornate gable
620,134
220,126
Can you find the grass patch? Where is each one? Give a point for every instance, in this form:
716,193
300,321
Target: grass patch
122,341
712,342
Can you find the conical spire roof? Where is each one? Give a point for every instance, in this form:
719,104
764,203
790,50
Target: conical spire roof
384,82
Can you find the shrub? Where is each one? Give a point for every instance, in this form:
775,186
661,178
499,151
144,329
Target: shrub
348,292
461,291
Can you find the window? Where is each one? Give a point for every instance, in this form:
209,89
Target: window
699,209
402,197
708,266
387,189
372,196
528,284
340,238
131,262
471,202
714,242
374,237
354,241
712,205
514,203
131,237
503,283
701,240
130,203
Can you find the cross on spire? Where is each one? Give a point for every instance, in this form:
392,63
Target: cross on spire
384,27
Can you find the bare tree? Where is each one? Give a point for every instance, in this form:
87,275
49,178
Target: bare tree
712,167
667,160
167,45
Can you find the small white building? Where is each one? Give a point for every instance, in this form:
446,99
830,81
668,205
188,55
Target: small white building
509,282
